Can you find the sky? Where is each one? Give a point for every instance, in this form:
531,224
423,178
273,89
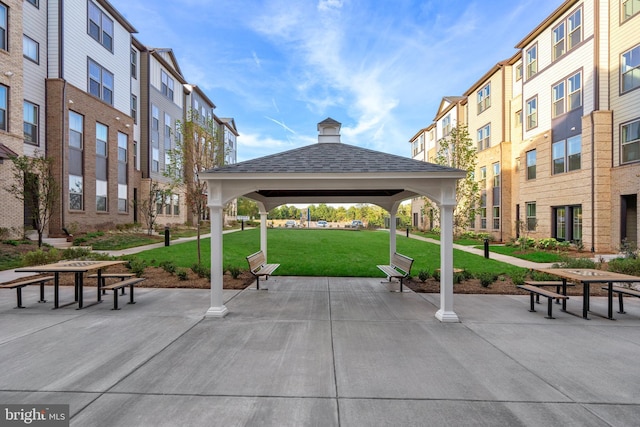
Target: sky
379,67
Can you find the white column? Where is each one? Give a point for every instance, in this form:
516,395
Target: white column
263,233
446,313
392,234
217,309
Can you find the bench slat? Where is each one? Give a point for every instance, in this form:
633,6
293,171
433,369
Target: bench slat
123,283
111,275
258,266
37,280
542,292
546,283
399,268
626,291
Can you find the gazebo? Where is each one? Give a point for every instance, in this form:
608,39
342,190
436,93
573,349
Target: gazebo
333,172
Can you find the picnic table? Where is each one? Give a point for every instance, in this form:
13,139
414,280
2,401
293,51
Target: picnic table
79,268
587,276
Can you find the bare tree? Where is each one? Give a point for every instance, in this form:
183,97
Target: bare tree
34,184
154,204
198,147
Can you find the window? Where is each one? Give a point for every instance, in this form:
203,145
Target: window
483,209
629,8
101,195
483,177
30,119
532,61
567,223
167,132
531,216
531,164
484,137
30,49
36,3
101,139
4,26
532,113
155,160
446,125
134,108
630,69
496,217
630,140
100,82
567,95
496,175
134,63
176,204
519,72
4,103
518,118
568,34
100,27
76,130
167,85
75,192
567,155
484,98
123,188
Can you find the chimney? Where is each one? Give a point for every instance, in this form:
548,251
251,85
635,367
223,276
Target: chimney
329,131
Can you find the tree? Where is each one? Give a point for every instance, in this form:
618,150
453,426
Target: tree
198,147
34,184
154,204
248,207
457,151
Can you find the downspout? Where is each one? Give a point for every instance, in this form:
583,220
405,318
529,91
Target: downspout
593,187
63,109
596,106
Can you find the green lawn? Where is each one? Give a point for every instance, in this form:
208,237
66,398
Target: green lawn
532,255
302,252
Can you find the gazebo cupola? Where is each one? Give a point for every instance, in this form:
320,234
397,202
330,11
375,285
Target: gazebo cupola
329,131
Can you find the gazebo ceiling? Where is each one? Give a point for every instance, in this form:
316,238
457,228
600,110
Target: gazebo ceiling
354,193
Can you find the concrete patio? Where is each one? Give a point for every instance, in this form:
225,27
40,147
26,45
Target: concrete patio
321,351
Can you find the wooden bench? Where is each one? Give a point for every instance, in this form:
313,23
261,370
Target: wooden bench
19,285
621,293
259,267
534,290
544,283
104,276
121,284
399,268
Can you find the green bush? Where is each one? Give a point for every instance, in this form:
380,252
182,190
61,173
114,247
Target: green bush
423,275
234,271
518,277
182,274
436,275
11,242
201,270
137,266
40,257
487,278
547,244
168,266
575,263
76,253
629,266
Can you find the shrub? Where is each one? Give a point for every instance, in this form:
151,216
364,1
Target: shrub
40,257
201,270
423,275
518,277
137,266
436,275
547,244
11,242
487,278
168,266
182,274
76,253
575,263
235,271
629,266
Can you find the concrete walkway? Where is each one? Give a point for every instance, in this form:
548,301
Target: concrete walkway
325,352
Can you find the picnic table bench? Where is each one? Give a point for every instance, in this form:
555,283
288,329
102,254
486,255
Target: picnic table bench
258,267
535,291
621,291
121,285
544,283
104,276
19,285
399,268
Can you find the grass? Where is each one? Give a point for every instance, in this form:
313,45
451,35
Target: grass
336,253
123,241
533,255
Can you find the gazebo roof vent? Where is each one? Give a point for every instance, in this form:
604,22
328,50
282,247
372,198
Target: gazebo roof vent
329,131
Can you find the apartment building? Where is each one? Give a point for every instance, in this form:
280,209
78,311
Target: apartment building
99,102
11,97
567,120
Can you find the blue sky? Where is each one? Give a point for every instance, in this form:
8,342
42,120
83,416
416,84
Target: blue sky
380,67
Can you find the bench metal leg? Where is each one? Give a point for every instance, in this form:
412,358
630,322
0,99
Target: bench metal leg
19,296
550,308
621,303
115,300
42,293
401,285
257,283
532,309
131,301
